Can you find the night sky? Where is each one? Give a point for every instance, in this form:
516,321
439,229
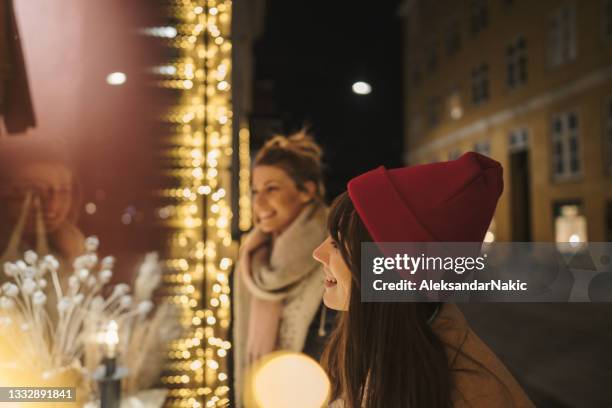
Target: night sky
305,64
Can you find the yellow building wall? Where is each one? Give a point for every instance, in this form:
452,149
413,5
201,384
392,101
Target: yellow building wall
530,19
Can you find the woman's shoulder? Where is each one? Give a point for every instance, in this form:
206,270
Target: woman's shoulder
481,379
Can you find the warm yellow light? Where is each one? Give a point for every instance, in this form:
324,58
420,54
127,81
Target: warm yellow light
285,379
201,218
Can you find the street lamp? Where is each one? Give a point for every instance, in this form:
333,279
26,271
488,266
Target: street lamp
362,88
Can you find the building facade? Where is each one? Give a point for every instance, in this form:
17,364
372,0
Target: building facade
528,83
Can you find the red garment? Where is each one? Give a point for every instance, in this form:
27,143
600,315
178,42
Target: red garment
451,201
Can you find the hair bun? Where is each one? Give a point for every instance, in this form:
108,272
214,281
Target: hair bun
300,143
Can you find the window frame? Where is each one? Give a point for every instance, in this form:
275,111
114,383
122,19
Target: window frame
565,137
480,84
452,37
478,147
518,61
523,144
566,36
479,14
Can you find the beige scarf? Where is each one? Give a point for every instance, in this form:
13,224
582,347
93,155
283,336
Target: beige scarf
284,272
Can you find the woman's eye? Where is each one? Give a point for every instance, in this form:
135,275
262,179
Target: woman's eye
334,244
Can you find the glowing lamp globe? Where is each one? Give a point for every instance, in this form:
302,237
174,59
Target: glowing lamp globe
361,88
287,379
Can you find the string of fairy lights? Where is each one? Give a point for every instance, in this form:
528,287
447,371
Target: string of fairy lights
198,155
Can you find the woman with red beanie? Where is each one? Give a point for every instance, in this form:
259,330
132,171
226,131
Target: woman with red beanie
395,355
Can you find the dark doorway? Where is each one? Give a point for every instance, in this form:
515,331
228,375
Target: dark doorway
520,196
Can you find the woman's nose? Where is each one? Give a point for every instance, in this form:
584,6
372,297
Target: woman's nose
259,201
320,253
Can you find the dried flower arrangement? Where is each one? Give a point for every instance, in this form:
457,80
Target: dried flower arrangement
60,320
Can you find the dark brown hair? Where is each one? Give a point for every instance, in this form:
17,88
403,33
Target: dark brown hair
382,354
299,156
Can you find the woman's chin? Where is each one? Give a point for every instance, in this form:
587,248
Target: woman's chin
266,227
272,226
328,301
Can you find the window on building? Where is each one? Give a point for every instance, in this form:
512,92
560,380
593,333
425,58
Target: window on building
432,56
562,34
518,140
566,146
454,105
608,136
480,84
607,19
479,16
516,62
433,112
453,37
454,154
483,147
570,223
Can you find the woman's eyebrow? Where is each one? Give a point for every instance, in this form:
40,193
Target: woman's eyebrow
265,183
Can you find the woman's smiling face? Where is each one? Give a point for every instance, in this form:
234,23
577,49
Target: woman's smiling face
337,275
277,201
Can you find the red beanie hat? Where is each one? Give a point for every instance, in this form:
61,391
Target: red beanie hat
451,201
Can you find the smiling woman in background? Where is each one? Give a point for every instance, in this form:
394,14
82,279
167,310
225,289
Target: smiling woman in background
278,287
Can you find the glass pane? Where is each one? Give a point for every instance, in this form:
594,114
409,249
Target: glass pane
558,150
573,121
557,126
574,165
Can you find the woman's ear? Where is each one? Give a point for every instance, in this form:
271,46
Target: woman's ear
308,193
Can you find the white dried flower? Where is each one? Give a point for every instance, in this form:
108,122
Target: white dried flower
10,269
28,286
5,321
6,303
39,298
145,307
92,243
63,304
91,260
125,301
105,275
108,262
73,282
51,262
30,257
42,283
80,262
77,299
91,281
25,327
121,289
21,265
10,289
83,274
97,303
30,272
